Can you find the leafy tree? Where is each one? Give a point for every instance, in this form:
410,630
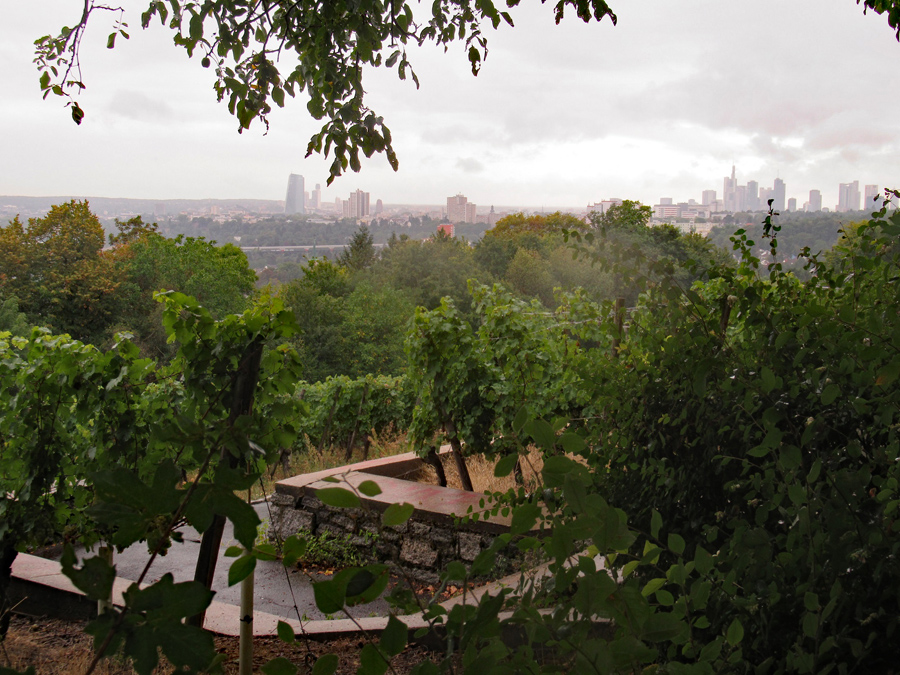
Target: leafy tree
629,216
57,270
11,319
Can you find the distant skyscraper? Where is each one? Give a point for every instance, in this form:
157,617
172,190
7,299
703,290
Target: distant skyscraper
730,185
871,193
779,190
708,198
792,204
665,201
815,200
379,206
752,195
458,209
359,204
317,197
848,196
294,201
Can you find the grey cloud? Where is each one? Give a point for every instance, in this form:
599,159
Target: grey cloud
135,105
469,165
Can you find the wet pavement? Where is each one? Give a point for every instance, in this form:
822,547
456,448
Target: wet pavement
277,590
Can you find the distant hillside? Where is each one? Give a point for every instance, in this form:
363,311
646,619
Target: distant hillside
114,207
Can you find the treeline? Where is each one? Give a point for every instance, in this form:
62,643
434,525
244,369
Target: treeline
56,273
309,230
817,231
353,312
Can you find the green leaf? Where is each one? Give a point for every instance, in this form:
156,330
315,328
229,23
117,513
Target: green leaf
329,596
521,417
326,664
652,586
505,465
293,549
524,518
241,569
676,543
394,637
111,41
542,433
286,632
703,561
95,577
572,442
234,551
663,626
397,514
371,662
655,524
369,488
830,393
811,601
338,497
280,666
735,633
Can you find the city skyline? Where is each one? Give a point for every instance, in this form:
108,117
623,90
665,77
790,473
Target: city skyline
597,110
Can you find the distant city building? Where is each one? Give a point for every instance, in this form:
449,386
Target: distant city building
752,195
294,200
665,201
848,196
459,210
358,204
815,201
792,204
379,206
339,207
872,193
708,198
604,206
447,228
317,197
778,196
729,189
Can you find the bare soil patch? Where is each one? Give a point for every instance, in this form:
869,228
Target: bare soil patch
57,647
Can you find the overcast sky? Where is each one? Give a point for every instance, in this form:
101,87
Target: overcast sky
660,105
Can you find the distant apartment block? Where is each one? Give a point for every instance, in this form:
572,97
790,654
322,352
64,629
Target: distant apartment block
603,206
459,210
708,198
815,201
294,201
848,197
792,204
871,194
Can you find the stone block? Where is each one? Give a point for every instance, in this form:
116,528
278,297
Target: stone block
309,503
343,522
469,546
441,535
419,530
418,552
288,521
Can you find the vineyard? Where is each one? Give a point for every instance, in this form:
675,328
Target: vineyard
719,463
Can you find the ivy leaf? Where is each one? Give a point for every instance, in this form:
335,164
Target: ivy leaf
285,632
326,665
241,569
505,465
280,666
338,497
397,514
369,488
735,633
394,637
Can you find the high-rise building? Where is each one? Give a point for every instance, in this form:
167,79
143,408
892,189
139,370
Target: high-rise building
317,197
358,204
379,206
848,196
815,200
871,194
730,185
752,195
778,195
294,200
792,204
458,209
665,201
708,198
